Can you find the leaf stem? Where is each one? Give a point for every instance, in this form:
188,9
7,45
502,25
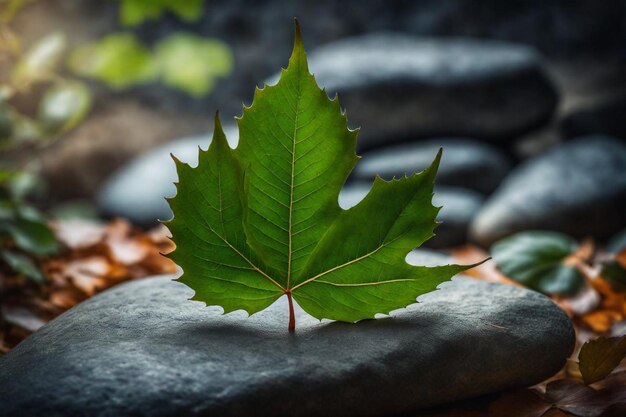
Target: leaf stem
292,316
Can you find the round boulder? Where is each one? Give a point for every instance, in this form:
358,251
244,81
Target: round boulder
143,349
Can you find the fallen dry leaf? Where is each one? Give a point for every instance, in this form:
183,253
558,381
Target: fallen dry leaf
97,256
78,233
599,357
612,307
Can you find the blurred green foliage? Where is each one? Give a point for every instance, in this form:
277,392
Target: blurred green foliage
134,12
64,103
40,62
192,63
119,60
35,75
25,235
181,60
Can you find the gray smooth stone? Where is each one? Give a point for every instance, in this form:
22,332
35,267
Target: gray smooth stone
260,32
465,163
142,349
396,86
578,188
137,191
427,257
605,118
458,209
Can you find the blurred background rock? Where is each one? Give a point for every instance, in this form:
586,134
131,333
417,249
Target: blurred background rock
525,97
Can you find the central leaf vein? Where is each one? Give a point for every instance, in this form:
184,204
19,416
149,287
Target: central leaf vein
291,188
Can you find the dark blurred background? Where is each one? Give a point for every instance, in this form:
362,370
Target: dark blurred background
527,98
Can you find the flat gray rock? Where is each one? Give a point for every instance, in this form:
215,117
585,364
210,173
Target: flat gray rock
137,191
459,206
142,349
465,163
578,188
397,87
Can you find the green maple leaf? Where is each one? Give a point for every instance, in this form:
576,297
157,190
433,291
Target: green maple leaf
262,221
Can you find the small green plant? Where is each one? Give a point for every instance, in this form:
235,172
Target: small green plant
24,233
262,221
552,262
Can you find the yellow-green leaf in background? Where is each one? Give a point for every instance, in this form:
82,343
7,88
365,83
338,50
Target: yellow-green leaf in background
119,60
192,63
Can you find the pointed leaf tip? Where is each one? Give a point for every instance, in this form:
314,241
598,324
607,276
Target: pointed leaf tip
219,137
438,156
217,122
434,166
175,158
298,31
298,55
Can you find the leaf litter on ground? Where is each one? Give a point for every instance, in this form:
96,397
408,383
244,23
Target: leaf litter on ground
96,256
